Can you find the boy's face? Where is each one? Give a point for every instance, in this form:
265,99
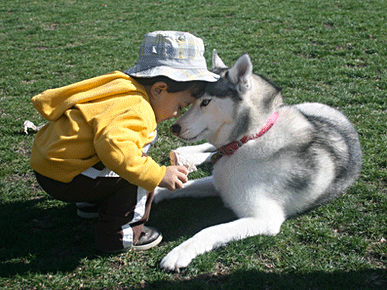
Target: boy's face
168,105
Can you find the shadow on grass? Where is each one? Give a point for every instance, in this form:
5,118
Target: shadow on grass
253,279
38,239
42,236
187,216
46,236
196,214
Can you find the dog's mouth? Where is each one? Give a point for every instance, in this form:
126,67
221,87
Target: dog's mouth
196,138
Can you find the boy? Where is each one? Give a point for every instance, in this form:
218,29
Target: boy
94,148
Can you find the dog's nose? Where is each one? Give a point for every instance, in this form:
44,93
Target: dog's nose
175,129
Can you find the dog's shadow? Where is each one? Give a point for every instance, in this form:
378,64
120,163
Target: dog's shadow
184,217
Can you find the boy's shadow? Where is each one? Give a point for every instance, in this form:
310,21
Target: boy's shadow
37,238
46,236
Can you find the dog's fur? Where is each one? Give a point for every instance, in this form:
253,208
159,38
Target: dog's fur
309,156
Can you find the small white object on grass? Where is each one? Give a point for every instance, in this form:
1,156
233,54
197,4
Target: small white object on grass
29,125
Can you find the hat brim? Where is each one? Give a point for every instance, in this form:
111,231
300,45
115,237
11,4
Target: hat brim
176,74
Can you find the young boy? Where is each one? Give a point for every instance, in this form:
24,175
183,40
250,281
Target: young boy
94,148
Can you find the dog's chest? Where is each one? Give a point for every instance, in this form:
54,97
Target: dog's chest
235,177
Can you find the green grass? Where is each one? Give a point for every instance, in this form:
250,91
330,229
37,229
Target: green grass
333,52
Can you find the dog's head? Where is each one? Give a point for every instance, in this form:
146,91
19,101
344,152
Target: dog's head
223,112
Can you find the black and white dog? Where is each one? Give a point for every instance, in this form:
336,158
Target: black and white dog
273,160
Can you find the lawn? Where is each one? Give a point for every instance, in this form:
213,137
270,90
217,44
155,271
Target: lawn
333,52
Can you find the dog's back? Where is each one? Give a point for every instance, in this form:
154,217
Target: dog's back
333,145
310,155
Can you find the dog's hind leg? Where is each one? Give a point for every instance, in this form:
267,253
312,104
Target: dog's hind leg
219,235
197,188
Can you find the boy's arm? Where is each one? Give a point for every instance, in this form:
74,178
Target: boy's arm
174,177
118,144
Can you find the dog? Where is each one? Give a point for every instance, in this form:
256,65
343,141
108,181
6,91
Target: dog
271,161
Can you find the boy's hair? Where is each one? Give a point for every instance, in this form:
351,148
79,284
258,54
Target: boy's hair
196,87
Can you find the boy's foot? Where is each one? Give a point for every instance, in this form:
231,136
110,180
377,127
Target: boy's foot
150,237
87,210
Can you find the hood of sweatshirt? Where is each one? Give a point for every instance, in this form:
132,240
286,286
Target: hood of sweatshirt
51,104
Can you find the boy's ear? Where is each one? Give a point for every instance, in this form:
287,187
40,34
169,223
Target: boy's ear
158,88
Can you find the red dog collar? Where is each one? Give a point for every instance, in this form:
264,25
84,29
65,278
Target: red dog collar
234,146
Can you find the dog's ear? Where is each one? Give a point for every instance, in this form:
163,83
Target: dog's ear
216,61
240,73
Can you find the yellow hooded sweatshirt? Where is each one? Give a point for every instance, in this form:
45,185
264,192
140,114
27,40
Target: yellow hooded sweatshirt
106,118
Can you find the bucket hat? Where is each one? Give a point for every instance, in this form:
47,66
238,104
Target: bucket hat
174,54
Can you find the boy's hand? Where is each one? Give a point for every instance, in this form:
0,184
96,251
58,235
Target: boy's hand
174,177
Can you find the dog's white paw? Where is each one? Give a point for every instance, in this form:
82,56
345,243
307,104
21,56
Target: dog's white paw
178,159
178,258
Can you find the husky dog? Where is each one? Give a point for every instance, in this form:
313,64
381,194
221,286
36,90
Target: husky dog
273,160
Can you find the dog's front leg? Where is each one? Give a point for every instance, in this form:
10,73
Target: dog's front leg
202,148
216,236
197,188
197,154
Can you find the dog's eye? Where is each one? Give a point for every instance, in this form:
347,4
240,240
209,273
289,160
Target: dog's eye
205,103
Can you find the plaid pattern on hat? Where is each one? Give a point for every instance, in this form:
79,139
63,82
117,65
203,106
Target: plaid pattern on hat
174,54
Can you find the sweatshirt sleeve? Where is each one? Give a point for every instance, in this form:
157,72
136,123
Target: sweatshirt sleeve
119,141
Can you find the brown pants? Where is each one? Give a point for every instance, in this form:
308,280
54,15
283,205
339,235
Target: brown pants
124,207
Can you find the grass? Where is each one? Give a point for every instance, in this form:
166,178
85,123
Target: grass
327,51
